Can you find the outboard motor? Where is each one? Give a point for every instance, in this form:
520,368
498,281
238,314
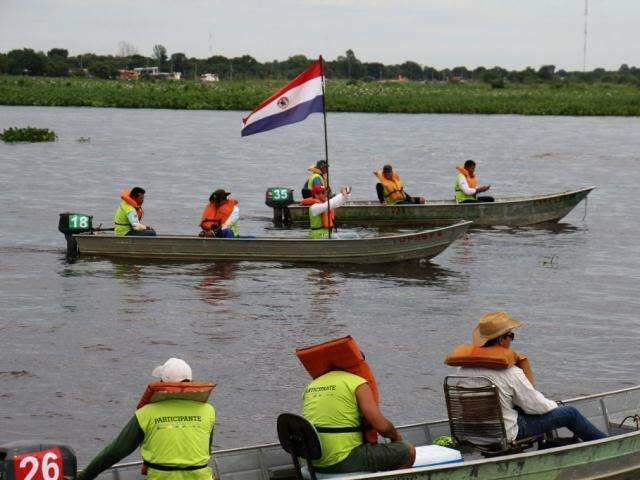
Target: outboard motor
279,198
25,460
72,223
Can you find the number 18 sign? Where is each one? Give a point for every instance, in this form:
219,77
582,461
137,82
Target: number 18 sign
42,465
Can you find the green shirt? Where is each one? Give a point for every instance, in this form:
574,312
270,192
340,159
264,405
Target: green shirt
330,401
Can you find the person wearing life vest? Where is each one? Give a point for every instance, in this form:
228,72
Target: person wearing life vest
321,212
526,411
128,217
466,186
174,431
341,397
318,177
220,216
390,189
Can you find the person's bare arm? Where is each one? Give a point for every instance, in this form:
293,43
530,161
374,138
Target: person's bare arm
374,416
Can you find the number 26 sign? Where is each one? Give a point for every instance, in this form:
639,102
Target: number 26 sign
42,465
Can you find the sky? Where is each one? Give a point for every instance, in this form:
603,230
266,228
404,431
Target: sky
442,33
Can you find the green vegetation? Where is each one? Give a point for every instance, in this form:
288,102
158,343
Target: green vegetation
554,98
28,134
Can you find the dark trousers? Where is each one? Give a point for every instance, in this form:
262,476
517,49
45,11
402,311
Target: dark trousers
141,233
566,416
485,198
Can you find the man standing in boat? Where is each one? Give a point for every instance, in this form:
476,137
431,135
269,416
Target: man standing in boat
318,177
128,217
526,411
321,211
390,189
466,186
173,426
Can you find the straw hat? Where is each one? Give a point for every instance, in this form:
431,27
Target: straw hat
492,325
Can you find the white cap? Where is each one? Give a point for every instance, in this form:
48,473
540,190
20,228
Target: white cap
173,370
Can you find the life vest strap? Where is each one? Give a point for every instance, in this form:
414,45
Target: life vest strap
171,468
339,429
122,224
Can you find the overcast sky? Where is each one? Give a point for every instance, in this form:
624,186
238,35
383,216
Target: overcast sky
441,33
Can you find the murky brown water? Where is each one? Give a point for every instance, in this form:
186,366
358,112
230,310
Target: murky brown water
79,340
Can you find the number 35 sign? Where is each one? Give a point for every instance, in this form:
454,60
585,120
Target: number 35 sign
42,465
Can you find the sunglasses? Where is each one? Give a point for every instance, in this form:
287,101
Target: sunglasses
510,335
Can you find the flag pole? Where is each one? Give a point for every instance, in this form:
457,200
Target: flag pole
326,141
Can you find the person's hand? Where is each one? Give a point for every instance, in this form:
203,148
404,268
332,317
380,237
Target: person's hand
483,188
345,191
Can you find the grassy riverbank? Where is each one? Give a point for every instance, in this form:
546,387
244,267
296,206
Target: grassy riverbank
342,96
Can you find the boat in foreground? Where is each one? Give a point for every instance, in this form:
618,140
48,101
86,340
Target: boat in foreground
617,456
508,211
425,244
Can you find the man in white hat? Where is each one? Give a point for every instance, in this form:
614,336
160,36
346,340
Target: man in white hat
535,414
174,434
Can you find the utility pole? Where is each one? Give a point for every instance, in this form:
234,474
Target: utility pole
584,46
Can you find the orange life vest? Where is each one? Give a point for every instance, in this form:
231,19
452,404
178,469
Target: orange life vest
471,181
494,357
159,391
214,216
393,187
328,218
124,196
340,354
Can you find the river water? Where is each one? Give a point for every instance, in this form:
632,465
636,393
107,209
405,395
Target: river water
79,340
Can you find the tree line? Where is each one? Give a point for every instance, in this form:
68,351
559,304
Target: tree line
57,63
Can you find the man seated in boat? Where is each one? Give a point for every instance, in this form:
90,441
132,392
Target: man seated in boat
466,186
173,425
220,216
390,189
526,411
128,217
342,403
318,177
321,212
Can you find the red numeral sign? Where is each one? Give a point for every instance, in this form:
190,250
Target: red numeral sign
42,465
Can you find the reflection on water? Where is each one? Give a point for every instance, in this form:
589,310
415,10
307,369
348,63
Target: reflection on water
213,286
88,333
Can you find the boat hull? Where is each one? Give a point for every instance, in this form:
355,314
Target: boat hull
384,249
517,211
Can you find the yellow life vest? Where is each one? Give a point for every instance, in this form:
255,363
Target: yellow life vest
393,189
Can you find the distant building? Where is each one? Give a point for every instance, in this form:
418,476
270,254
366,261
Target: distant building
209,77
128,75
150,71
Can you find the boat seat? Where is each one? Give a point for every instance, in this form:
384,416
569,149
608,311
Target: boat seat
299,438
475,417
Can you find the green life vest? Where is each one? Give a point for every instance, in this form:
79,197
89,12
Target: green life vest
460,195
120,220
177,433
330,401
317,230
312,179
